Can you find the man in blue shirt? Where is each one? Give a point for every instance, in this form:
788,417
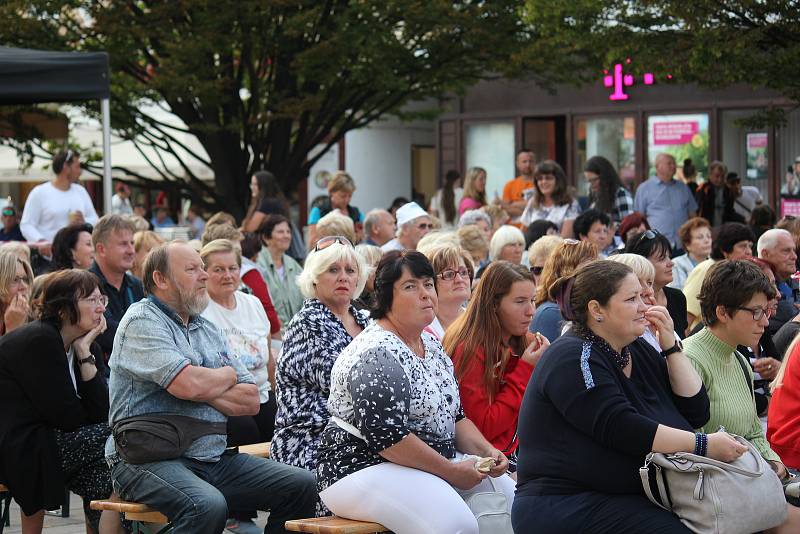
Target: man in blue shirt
167,359
666,202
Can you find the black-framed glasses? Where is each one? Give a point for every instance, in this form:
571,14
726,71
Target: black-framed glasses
537,270
757,312
327,241
450,274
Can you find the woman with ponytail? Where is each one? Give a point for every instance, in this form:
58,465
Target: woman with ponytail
600,400
494,354
444,204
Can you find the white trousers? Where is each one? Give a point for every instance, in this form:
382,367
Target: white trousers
407,500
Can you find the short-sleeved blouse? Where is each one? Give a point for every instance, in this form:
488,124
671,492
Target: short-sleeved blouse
387,392
314,339
556,214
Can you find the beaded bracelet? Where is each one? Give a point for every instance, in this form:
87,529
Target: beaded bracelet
700,444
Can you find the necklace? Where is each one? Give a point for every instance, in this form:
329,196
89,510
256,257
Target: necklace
416,347
620,359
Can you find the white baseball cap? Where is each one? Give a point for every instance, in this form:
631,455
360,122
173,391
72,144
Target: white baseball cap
409,212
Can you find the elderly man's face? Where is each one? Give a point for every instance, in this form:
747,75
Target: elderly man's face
782,256
416,229
187,279
665,166
386,228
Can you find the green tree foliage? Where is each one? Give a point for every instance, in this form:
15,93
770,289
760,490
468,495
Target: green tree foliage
261,83
711,42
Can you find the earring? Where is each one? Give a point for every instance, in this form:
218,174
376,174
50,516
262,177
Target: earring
599,319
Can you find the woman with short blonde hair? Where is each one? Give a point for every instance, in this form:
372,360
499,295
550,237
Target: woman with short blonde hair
563,261
334,275
143,242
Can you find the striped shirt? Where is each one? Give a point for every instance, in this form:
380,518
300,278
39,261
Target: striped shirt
732,403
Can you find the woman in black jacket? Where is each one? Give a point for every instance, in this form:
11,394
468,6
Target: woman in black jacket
599,400
55,401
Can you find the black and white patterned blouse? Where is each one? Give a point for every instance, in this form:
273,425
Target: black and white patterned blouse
314,339
386,391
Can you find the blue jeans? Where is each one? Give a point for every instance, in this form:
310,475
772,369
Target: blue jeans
194,495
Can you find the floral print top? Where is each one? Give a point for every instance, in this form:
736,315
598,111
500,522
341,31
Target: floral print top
387,392
314,338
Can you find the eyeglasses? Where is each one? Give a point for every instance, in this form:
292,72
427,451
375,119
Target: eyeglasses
758,313
18,280
537,270
450,274
9,212
325,242
102,300
647,235
425,226
546,177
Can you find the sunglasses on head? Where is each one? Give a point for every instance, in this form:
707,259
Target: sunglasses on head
647,235
325,242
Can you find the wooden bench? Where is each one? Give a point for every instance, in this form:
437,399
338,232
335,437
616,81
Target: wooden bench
135,512
334,525
139,513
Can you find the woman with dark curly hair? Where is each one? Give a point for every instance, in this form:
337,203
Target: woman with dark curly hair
73,248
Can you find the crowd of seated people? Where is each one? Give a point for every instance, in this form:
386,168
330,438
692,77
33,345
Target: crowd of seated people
383,368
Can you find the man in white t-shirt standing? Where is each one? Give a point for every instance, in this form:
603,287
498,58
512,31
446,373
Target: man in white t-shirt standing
55,204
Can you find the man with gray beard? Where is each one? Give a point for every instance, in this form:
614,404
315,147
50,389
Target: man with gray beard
169,361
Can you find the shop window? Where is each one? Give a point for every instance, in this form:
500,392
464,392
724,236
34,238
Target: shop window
491,146
614,138
746,152
683,137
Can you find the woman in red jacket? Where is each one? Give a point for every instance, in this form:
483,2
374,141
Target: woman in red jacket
783,420
494,354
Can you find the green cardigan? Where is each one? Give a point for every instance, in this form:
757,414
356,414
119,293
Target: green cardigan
732,404
284,291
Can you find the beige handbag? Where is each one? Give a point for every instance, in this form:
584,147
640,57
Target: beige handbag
710,496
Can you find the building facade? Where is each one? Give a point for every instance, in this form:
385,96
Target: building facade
624,118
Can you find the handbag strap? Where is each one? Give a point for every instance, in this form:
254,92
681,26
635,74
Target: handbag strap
644,474
347,427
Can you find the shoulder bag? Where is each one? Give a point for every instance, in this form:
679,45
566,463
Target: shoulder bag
714,497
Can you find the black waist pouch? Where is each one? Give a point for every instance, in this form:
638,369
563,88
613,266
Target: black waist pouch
155,437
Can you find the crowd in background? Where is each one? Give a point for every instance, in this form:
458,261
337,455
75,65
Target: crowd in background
561,338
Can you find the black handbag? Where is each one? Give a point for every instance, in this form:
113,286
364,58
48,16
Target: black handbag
156,437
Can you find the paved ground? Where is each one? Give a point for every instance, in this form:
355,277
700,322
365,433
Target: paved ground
74,523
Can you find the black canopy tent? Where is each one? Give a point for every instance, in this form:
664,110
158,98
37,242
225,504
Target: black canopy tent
37,76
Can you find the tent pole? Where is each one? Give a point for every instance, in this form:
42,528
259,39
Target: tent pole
106,110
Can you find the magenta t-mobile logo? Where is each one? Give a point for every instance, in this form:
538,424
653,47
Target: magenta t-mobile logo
620,81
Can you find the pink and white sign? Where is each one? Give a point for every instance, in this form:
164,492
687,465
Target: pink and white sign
757,140
790,206
674,133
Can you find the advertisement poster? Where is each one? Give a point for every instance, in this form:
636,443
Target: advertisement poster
681,136
757,161
790,206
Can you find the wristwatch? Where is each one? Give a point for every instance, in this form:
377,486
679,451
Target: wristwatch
89,359
677,347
